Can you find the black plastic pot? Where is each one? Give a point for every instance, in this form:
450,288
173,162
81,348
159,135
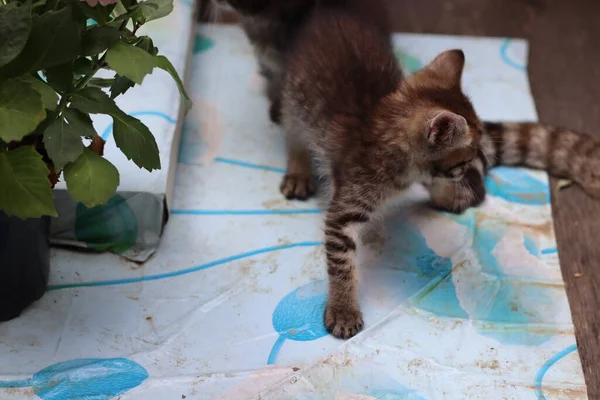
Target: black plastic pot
24,263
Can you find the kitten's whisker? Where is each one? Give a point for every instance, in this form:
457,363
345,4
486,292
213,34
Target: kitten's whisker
491,154
471,189
487,159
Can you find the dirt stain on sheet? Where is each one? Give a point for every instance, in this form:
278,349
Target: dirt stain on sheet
278,202
314,264
488,364
545,229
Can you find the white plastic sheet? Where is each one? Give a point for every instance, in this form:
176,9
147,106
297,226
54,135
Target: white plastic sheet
230,307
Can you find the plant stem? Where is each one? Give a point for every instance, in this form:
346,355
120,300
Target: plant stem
39,3
54,115
62,104
86,79
99,64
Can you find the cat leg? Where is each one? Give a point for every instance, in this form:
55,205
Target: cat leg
298,182
457,197
275,110
274,87
343,220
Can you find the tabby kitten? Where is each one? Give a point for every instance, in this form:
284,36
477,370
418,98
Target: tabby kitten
344,101
374,133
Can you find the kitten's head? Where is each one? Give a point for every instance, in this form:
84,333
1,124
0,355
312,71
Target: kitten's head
443,126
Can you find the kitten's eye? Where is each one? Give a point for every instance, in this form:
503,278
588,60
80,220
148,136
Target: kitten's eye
459,165
456,172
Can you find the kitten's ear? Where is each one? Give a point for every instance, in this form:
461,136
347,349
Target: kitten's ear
447,129
449,66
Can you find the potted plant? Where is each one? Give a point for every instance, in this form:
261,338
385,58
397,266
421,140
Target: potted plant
50,54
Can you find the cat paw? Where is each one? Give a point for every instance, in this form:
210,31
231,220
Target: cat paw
299,187
343,322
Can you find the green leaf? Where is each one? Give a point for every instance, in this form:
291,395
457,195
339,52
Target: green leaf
93,100
62,143
38,3
49,96
120,86
126,16
83,66
21,109
98,39
101,82
55,39
15,25
98,13
163,62
145,14
80,122
136,141
147,44
26,191
119,9
130,61
131,136
128,3
91,179
60,78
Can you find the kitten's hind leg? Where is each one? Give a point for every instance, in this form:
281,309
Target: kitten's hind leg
298,182
274,86
275,110
457,197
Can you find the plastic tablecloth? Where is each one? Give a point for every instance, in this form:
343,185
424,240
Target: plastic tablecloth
230,306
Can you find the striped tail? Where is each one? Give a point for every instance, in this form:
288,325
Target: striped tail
561,152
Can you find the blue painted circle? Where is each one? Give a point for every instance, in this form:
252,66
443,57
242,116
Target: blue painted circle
507,59
539,377
299,315
93,378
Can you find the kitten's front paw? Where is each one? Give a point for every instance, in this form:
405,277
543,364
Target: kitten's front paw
300,187
343,322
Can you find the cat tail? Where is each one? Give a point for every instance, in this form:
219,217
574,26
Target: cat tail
563,153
